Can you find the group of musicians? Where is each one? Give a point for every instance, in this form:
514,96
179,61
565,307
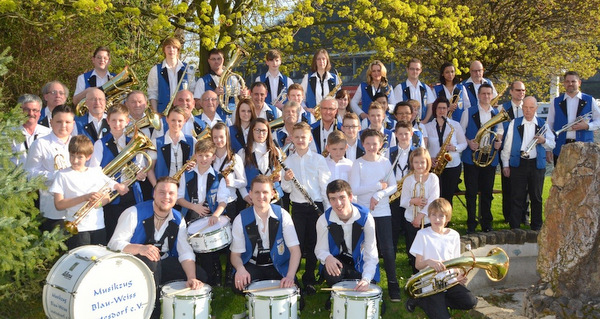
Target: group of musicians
239,166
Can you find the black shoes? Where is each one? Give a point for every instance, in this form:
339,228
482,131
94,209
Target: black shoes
310,290
394,291
411,304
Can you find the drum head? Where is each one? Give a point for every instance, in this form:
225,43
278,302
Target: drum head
105,285
202,224
373,291
174,286
276,292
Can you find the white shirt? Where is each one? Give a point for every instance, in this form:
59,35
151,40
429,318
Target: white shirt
572,104
463,97
177,159
477,85
402,166
368,247
80,86
262,158
351,150
238,244
97,125
528,134
200,88
364,180
237,178
415,92
71,183
517,109
340,170
99,150
312,173
432,245
201,180
432,191
262,113
40,162
274,84
321,87
458,140
173,80
20,149
357,98
126,228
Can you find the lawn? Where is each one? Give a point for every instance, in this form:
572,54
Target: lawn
225,303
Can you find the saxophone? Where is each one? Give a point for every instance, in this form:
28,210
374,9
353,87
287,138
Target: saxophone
398,192
227,170
443,157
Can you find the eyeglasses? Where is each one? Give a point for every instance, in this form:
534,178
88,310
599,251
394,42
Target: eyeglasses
55,92
97,99
211,99
520,90
351,126
261,131
328,109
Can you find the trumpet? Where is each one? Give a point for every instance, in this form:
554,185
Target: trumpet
115,90
541,132
149,119
585,117
317,110
281,97
232,83
485,137
427,282
84,210
419,192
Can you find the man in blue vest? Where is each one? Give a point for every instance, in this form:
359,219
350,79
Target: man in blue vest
346,245
95,77
54,93
414,89
265,245
258,93
473,83
156,233
526,169
566,108
93,124
210,80
277,83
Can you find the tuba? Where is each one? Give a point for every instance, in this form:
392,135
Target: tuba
123,167
149,119
485,137
495,100
231,82
427,282
115,90
317,110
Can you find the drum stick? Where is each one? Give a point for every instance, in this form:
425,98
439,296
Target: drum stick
178,292
344,289
261,289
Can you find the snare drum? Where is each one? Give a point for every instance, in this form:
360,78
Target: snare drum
193,304
278,303
93,282
353,304
206,239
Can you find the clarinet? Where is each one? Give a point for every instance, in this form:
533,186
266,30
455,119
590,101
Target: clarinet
301,188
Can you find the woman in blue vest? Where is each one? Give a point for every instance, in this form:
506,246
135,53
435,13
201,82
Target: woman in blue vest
245,113
260,157
320,82
449,87
164,77
376,83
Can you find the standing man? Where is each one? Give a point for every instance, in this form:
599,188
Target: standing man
414,89
95,77
54,93
480,179
275,81
93,124
514,110
566,108
31,106
327,124
526,171
210,80
164,77
473,83
265,245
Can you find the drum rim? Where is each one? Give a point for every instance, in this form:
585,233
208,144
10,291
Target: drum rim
227,223
208,293
377,295
295,291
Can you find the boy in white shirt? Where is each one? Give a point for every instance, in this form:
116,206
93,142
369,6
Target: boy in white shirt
373,182
351,127
79,185
339,166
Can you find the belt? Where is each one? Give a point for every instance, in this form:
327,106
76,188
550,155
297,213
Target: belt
570,140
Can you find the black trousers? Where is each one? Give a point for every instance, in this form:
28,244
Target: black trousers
305,218
457,297
479,180
347,272
506,193
449,182
258,273
411,233
383,233
398,222
527,179
92,237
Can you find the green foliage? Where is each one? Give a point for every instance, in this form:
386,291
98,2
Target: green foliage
27,253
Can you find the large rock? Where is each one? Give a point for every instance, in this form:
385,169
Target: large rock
569,243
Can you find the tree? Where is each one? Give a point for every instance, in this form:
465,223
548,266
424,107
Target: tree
27,253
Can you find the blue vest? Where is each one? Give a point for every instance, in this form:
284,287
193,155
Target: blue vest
472,128
160,167
283,81
439,91
311,99
560,119
164,90
191,190
252,171
109,149
145,211
237,139
406,96
90,83
281,260
316,132
366,98
471,93
357,255
515,152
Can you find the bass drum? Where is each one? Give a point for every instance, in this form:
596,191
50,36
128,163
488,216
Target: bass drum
93,282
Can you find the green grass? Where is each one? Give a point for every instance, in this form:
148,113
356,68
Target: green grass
225,303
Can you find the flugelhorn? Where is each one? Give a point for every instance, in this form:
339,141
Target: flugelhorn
585,117
115,90
428,282
418,192
541,132
149,119
232,83
485,137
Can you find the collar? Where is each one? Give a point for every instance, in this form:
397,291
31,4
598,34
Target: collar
578,95
168,140
55,139
269,75
533,121
333,217
327,75
260,147
482,110
210,170
257,217
178,66
409,84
